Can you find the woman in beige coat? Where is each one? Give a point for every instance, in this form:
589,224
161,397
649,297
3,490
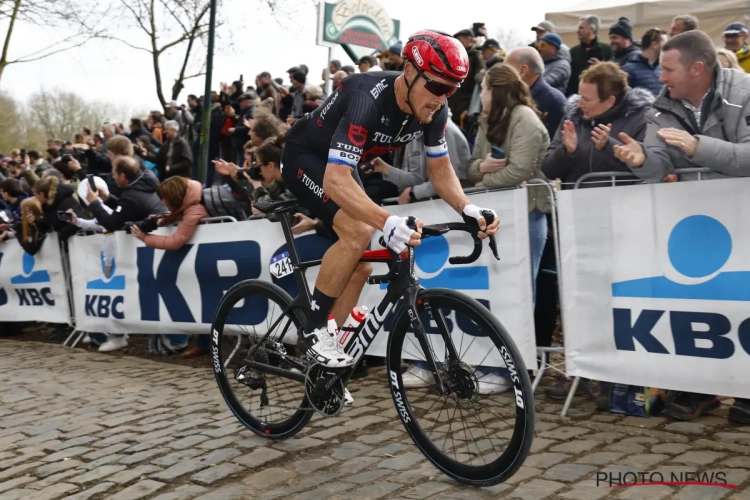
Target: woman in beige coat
511,122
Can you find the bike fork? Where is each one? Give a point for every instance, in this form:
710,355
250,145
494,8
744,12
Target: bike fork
410,304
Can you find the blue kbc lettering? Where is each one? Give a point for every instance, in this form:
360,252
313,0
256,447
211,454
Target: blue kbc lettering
212,285
28,296
698,247
105,306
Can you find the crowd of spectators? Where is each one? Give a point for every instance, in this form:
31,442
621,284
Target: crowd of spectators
643,106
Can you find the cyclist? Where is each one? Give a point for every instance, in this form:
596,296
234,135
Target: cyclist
367,116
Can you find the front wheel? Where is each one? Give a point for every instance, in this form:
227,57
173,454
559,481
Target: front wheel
463,422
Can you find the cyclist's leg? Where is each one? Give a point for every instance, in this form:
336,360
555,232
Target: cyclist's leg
303,175
350,295
341,274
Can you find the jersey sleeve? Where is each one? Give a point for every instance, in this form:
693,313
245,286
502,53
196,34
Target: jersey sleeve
359,118
434,135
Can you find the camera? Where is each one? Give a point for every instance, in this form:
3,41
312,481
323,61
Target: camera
253,172
146,225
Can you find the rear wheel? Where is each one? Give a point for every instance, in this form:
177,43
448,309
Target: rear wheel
479,428
268,404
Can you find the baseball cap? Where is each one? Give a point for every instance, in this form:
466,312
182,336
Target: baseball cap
465,32
552,38
173,104
736,29
490,44
544,26
247,95
396,48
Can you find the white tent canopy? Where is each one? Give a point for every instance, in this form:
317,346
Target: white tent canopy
713,16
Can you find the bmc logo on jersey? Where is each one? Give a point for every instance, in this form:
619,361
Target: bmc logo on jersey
417,56
461,68
357,135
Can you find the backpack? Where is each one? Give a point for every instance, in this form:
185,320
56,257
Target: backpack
219,202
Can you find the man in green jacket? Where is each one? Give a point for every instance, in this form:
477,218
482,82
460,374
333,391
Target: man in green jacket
589,51
700,119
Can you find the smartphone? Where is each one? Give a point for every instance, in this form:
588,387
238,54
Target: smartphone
497,153
476,27
92,184
23,154
64,216
4,217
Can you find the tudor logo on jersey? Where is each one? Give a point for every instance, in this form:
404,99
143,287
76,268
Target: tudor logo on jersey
357,135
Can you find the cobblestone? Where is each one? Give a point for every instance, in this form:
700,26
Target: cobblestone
86,426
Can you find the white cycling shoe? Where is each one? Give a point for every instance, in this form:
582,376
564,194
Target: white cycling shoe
323,348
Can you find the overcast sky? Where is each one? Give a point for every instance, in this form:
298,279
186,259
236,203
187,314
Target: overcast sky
113,72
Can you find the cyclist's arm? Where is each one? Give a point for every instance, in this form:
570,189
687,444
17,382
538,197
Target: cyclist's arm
439,168
339,184
343,157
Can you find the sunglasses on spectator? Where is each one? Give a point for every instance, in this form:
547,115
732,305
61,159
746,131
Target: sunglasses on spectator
436,88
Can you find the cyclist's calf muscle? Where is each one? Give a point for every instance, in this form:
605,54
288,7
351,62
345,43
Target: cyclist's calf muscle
341,187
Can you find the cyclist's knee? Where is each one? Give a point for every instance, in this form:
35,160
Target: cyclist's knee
363,271
358,236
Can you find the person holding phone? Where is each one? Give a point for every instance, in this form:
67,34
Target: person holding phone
590,51
511,144
55,198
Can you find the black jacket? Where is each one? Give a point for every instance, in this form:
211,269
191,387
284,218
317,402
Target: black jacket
241,132
64,200
182,158
623,56
628,115
137,201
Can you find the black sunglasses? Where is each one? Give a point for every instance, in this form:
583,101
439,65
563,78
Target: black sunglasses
436,88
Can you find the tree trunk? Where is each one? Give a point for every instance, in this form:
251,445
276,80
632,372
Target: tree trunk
8,35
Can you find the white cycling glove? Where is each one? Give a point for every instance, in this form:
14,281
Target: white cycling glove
397,233
473,213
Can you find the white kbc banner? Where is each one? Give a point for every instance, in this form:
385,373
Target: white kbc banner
153,291
32,287
656,285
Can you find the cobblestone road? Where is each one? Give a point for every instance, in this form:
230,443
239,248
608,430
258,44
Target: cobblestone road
82,425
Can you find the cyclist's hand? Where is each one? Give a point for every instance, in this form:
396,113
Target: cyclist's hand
398,234
305,224
475,215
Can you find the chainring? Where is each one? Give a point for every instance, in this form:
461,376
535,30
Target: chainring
324,389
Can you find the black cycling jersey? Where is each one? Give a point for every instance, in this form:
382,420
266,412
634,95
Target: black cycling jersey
361,121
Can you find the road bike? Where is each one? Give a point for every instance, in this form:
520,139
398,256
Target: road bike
437,327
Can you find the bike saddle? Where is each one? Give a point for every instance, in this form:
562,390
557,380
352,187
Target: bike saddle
268,207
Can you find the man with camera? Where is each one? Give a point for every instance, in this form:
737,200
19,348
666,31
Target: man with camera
137,201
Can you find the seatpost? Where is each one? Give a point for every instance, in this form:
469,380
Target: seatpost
299,276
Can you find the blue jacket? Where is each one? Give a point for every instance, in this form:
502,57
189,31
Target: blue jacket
551,104
643,75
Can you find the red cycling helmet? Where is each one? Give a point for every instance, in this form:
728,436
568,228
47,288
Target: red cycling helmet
438,54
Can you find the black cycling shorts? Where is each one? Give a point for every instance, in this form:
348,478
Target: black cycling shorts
303,174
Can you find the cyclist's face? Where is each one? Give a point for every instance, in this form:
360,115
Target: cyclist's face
425,103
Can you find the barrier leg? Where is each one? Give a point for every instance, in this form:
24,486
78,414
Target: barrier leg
571,393
80,336
541,371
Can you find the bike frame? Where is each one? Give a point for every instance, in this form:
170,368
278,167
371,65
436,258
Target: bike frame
402,283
